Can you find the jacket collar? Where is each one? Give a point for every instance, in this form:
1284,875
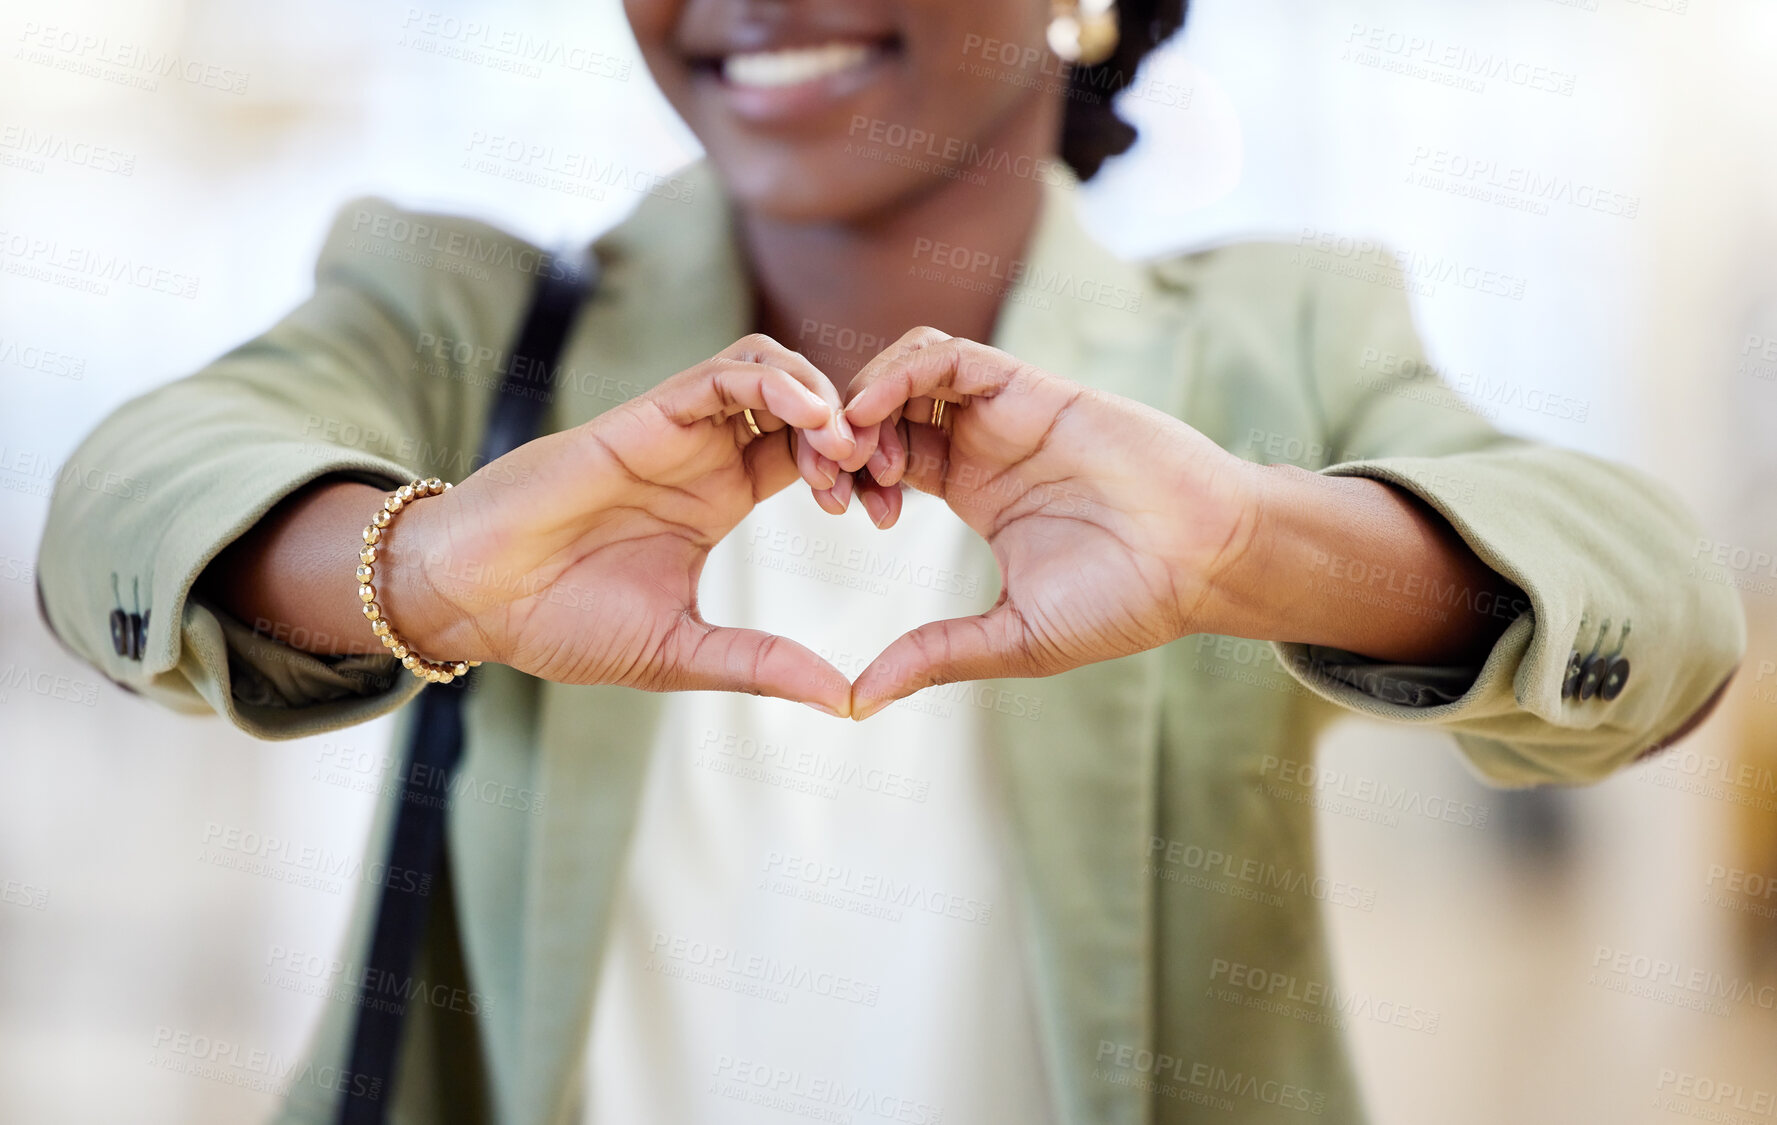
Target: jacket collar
674,292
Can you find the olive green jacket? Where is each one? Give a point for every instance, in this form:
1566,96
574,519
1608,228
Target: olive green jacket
1163,833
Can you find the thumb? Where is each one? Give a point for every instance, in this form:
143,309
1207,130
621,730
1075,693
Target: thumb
941,652
705,657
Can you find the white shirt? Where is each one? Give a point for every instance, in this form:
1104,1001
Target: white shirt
816,919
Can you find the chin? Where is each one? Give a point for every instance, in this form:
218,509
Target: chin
812,112
827,186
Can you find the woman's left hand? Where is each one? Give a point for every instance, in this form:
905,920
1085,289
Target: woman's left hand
1111,521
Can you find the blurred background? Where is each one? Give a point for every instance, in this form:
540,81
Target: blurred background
1623,165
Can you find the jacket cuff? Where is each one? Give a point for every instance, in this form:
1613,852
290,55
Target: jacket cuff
1414,693
1592,548
270,690
1420,693
194,655
1413,686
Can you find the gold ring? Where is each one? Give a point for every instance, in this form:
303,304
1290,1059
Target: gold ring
752,423
937,412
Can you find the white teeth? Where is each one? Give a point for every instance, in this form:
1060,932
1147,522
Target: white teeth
794,66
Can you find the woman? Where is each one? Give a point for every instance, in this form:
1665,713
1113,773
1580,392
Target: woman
1034,899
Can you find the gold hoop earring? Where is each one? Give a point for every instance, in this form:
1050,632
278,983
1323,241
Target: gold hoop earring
1083,32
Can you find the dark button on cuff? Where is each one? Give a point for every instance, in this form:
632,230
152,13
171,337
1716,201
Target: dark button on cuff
1570,683
1592,677
1615,677
129,631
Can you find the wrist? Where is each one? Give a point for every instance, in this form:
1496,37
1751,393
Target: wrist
1358,564
1242,595
410,548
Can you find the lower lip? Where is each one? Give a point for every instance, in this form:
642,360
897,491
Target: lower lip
777,104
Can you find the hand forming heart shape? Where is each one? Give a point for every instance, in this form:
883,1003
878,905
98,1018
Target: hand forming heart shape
1108,519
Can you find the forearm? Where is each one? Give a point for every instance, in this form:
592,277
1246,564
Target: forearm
1359,565
292,575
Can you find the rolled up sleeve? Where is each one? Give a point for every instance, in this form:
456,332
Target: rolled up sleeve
1600,555
341,388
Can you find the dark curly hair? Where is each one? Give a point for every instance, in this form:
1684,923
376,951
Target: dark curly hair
1092,132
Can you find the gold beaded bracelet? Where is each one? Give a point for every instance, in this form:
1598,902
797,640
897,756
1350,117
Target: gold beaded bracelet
438,672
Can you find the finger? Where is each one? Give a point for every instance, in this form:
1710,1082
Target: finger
863,450
722,387
940,652
882,502
705,657
889,460
928,458
947,369
870,439
770,464
760,348
831,436
910,340
920,409
818,471
837,499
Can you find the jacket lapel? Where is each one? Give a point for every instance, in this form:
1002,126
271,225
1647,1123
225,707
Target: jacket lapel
1080,772
595,743
671,295
1079,788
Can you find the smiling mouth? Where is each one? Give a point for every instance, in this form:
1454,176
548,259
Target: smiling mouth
786,85
794,66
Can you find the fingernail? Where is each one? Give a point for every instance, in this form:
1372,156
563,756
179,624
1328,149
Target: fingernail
842,490
822,708
878,464
876,506
827,470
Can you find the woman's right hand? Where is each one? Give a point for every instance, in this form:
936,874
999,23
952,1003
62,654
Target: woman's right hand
576,556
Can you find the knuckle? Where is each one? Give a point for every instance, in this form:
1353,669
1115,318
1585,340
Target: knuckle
913,339
719,376
761,655
932,656
711,370
966,351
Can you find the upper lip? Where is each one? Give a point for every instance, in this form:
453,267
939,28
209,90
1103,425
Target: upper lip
753,33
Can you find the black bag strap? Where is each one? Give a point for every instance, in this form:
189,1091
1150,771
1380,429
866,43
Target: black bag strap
416,847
